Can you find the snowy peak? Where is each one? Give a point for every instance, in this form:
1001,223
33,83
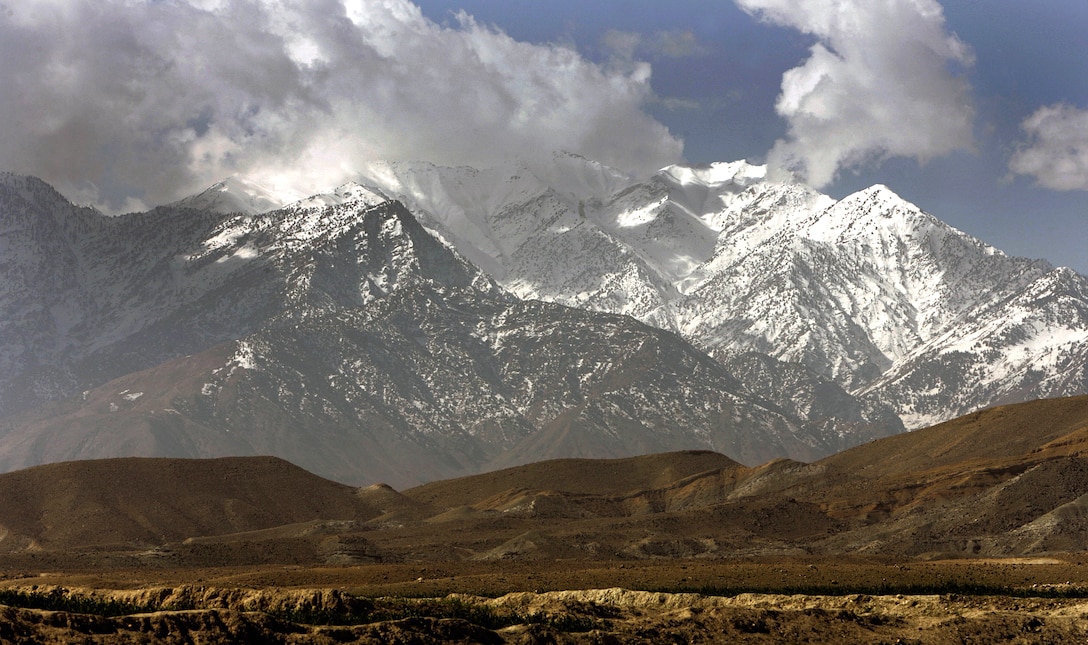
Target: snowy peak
391,245
879,194
354,252
740,174
236,195
351,192
877,210
578,178
109,295
851,289
878,216
869,294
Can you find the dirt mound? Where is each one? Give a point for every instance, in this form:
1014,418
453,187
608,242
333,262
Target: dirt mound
385,498
136,501
992,435
588,476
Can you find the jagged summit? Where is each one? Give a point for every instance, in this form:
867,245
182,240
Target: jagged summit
343,194
739,173
237,194
737,262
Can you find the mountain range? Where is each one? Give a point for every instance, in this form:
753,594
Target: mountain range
869,292
426,322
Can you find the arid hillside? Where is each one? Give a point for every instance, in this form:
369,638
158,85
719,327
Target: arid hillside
971,530
1006,481
139,503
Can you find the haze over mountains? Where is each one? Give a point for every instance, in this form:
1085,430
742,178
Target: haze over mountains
490,317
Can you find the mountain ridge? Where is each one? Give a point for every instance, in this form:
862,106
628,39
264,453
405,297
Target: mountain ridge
844,318
857,290
350,340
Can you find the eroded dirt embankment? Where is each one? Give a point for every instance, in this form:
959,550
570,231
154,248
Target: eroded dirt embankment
187,614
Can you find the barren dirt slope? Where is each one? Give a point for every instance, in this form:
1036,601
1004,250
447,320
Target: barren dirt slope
581,476
135,500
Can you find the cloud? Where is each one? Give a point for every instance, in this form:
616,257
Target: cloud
123,102
1056,150
676,43
880,82
622,45
671,43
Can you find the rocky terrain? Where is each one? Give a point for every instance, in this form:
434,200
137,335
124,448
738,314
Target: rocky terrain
346,339
476,323
594,616
869,292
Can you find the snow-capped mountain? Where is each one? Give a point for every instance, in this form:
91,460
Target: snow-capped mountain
864,291
1031,345
341,335
90,297
484,321
868,292
236,195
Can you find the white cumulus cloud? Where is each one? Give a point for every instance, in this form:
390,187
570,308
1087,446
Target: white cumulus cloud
122,102
880,82
1055,152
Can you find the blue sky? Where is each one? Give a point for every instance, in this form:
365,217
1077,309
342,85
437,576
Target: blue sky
975,110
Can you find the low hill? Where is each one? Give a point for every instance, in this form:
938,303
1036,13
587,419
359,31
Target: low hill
152,501
1002,433
605,477
951,461
1006,481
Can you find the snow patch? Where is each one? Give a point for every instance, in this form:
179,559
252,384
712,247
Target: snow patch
351,192
243,357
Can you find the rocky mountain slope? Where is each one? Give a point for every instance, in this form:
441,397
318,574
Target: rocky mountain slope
869,292
478,325
343,337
